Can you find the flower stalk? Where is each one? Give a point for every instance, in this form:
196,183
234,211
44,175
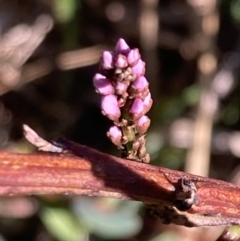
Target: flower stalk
125,99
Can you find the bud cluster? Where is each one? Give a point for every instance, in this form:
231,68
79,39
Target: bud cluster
125,99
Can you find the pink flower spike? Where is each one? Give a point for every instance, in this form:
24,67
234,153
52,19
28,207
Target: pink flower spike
107,60
133,57
142,124
137,108
110,107
147,103
121,61
139,68
122,47
103,85
115,135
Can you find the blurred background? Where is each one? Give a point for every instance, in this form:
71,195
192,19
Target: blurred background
49,52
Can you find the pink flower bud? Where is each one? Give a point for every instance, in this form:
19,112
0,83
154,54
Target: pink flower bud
139,68
147,102
133,57
142,124
137,108
122,47
121,87
103,85
140,83
115,135
121,61
110,107
139,86
107,60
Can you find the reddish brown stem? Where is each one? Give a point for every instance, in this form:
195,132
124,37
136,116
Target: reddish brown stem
92,173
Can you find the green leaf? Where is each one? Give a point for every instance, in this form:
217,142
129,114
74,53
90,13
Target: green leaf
114,220
62,224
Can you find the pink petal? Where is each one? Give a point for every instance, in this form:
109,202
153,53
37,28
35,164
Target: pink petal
140,83
139,68
121,61
103,85
110,107
133,57
136,109
142,124
122,47
147,102
107,60
115,135
121,87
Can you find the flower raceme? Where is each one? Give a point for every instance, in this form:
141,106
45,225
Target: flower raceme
125,99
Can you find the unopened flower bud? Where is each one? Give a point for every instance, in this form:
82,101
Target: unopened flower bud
147,102
121,61
142,124
110,107
133,57
122,47
121,87
107,60
139,68
103,85
115,135
137,108
139,86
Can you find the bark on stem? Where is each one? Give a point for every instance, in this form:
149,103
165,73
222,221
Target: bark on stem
89,172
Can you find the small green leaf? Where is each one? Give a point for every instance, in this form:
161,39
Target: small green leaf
118,221
62,224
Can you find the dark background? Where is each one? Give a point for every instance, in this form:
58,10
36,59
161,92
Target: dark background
49,52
